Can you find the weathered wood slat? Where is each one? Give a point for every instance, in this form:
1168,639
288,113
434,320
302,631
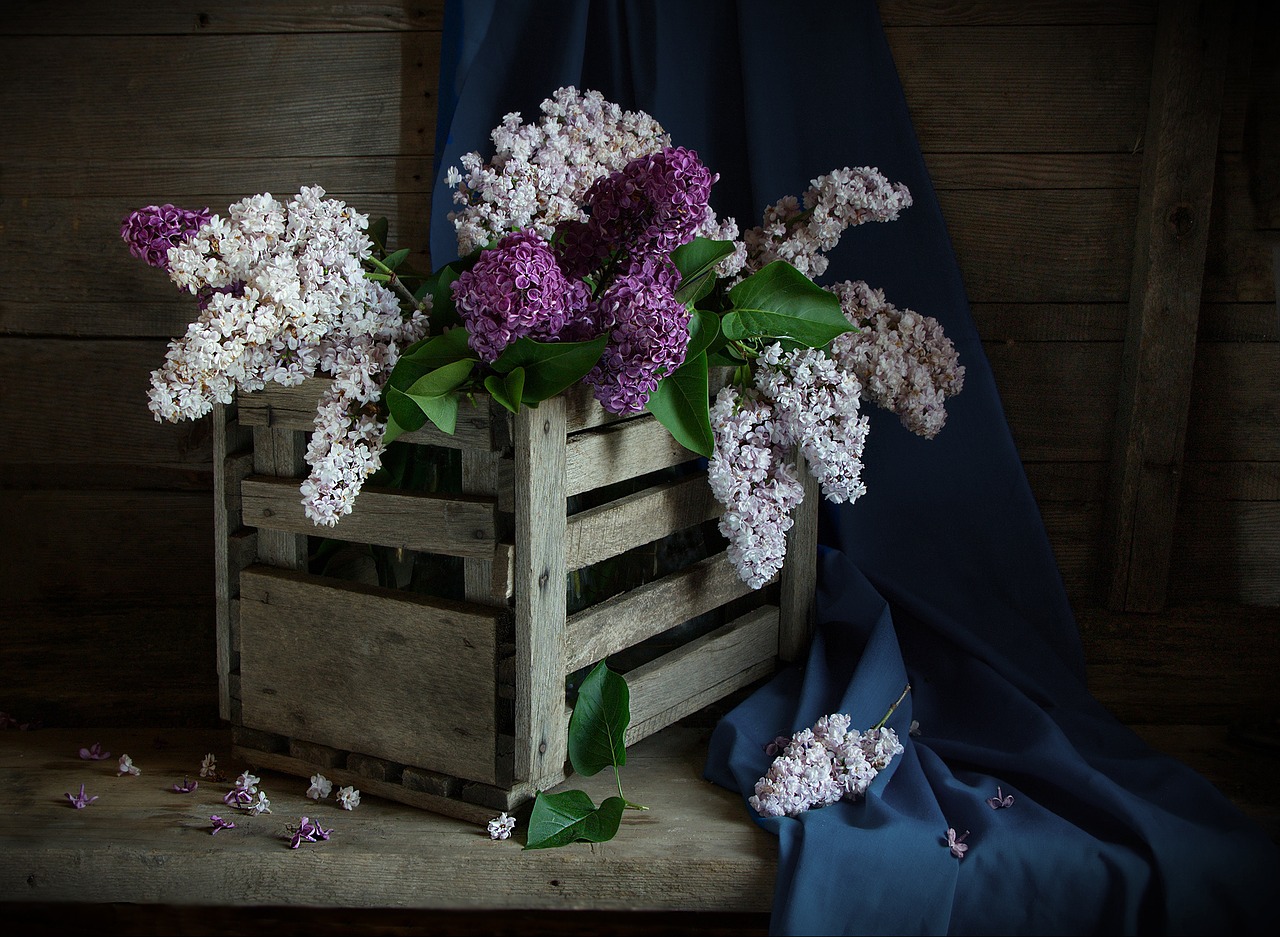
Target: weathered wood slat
596,632
620,451
161,18
540,492
686,679
486,578
988,88
286,88
1235,399
229,441
456,525
618,526
1226,551
361,668
280,453
295,408
1238,264
797,600
954,172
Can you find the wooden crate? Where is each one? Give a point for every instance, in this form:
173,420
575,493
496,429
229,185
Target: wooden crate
460,706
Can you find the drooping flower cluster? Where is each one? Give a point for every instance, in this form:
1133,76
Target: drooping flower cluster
287,298
516,290
540,172
752,474
150,232
823,765
815,404
904,361
801,233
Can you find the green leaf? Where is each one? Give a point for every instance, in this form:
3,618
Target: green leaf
396,259
442,410
695,261
599,722
680,404
570,816
434,393
406,415
506,390
781,302
422,358
704,328
549,367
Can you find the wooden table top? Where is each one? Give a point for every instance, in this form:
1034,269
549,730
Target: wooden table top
696,849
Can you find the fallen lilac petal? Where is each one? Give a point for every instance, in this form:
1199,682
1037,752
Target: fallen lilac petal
80,801
94,753
187,786
1000,800
237,797
220,824
956,843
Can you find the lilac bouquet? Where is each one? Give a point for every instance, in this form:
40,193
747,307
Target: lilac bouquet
592,255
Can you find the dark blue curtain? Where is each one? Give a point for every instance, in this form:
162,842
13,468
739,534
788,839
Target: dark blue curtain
941,574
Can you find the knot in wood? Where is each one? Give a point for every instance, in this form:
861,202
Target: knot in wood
267,512
546,427
1181,221
544,579
542,748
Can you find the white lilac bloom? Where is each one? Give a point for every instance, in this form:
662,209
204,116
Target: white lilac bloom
320,787
501,826
752,475
260,805
286,298
801,233
248,782
822,765
903,360
348,798
209,767
128,767
815,406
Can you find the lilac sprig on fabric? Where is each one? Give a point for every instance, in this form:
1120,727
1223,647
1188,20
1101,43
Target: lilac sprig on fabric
515,290
903,360
1001,800
956,843
307,831
220,824
823,765
94,753
80,801
648,336
152,231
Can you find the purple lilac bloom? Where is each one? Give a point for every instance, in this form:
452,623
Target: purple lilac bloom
307,831
220,824
516,290
186,787
151,231
80,801
653,204
94,753
648,335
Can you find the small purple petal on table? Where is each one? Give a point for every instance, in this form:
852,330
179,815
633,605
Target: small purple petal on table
80,801
94,753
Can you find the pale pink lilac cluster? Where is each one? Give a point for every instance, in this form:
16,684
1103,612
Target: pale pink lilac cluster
752,474
515,290
152,231
540,172
904,361
815,404
287,299
800,232
823,765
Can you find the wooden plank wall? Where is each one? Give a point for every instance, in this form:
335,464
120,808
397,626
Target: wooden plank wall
1031,116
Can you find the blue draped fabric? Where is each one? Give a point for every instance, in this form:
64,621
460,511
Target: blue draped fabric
941,574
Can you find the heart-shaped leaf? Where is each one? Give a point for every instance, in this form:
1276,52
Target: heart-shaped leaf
560,819
680,403
781,302
549,367
599,722
506,390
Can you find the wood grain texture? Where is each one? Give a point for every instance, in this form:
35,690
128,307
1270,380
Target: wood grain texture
608,627
540,491
233,463
684,680
486,578
966,13
1164,301
695,848
280,453
455,525
617,452
636,519
391,674
184,17
797,600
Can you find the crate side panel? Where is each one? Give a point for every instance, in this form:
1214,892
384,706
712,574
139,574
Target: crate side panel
369,670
